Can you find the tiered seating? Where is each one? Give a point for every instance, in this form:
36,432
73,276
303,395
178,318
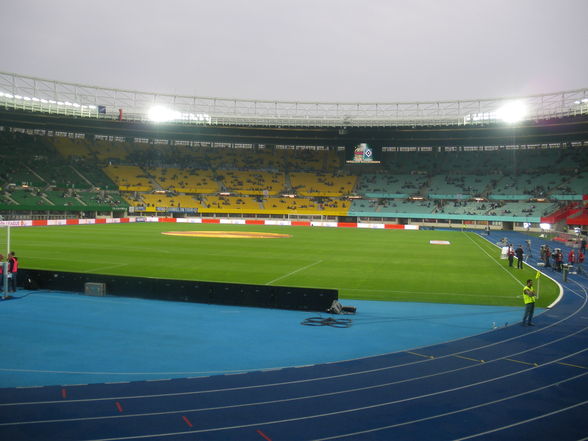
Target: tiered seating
523,209
458,184
106,151
276,205
324,184
102,200
94,174
128,177
576,185
69,148
62,199
466,208
252,182
21,175
59,175
335,207
389,184
29,199
308,160
417,207
527,184
153,201
364,205
184,180
231,204
242,159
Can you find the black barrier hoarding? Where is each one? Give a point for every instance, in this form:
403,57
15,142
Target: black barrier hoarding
264,296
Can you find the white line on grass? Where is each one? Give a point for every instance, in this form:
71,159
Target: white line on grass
293,272
100,268
494,260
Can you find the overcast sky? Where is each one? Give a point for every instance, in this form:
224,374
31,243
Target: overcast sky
303,50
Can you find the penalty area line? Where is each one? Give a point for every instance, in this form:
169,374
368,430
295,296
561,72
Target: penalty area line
293,272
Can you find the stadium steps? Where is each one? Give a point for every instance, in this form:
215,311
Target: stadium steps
9,199
41,179
81,202
81,176
47,200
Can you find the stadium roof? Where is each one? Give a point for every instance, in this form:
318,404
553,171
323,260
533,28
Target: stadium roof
72,99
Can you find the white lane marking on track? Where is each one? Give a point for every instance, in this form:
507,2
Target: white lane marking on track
349,374
294,272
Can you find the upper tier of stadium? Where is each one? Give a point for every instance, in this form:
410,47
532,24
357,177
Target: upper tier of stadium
79,100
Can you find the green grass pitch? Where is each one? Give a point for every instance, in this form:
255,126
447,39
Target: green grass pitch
367,264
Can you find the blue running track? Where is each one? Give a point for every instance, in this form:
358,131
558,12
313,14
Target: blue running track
511,383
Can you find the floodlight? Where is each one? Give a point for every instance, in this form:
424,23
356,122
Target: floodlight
161,114
512,112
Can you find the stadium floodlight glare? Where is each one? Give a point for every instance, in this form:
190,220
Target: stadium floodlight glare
512,112
161,114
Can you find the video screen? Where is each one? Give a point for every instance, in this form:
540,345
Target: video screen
362,153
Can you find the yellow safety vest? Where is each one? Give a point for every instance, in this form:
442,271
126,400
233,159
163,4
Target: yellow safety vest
526,298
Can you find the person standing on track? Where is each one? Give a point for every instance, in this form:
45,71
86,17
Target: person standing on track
1,272
520,254
12,271
510,255
529,298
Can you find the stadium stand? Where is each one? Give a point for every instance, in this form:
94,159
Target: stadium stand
129,177
60,173
390,185
322,184
184,180
232,204
251,182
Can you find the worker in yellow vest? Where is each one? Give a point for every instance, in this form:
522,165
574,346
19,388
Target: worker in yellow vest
529,298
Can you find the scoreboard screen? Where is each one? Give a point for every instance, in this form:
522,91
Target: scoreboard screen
362,153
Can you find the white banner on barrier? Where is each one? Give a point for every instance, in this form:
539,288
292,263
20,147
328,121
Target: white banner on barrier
112,220
375,226
283,223
86,221
189,220
411,227
56,222
233,221
17,223
324,224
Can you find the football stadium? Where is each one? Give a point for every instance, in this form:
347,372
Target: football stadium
293,221
215,269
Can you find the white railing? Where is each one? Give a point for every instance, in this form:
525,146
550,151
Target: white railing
71,99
